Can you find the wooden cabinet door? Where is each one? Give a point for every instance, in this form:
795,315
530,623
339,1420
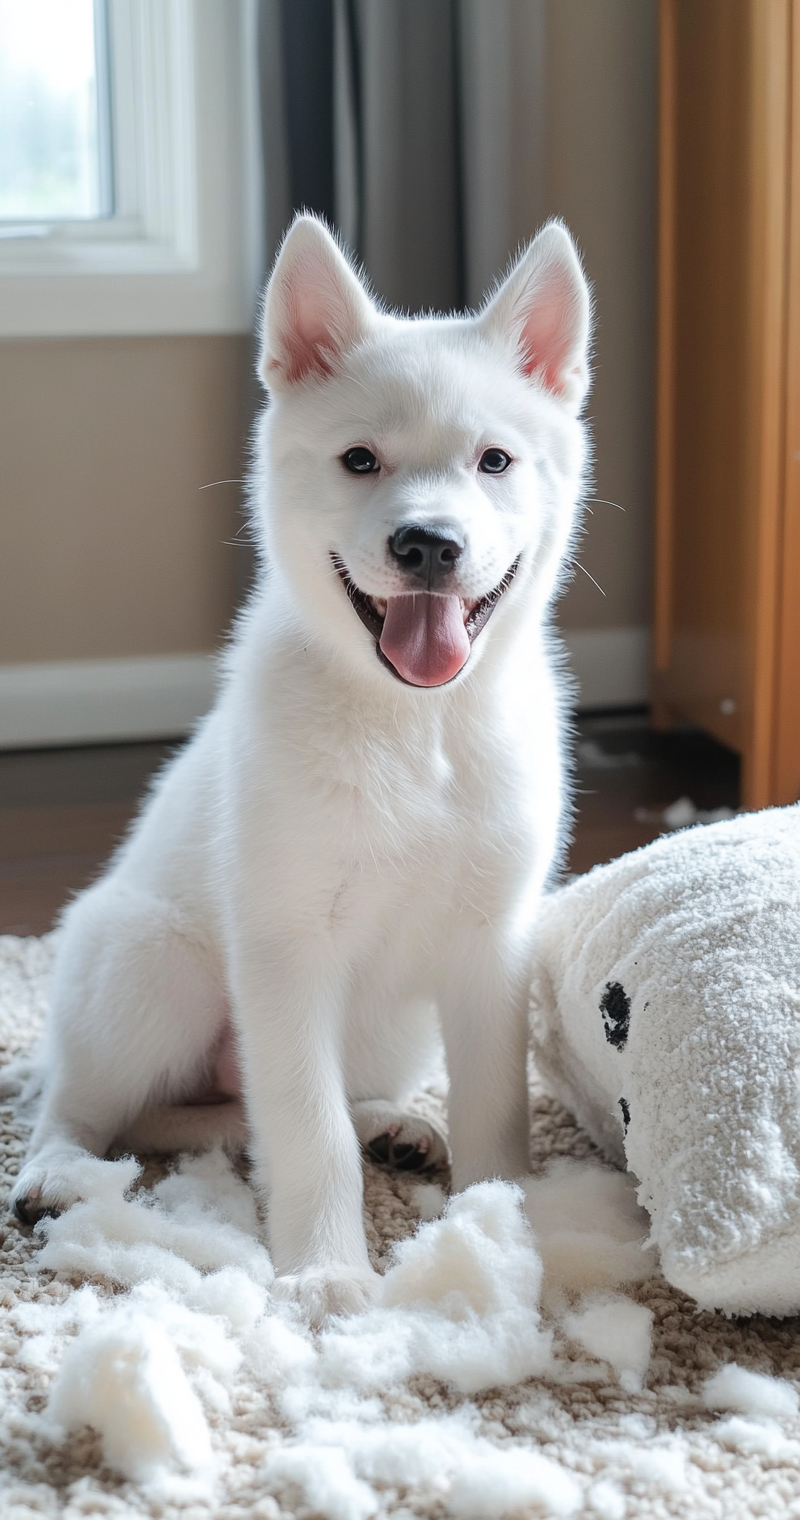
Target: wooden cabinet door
785,771
727,595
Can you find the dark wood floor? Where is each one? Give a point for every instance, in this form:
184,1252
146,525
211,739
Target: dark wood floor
63,811
627,775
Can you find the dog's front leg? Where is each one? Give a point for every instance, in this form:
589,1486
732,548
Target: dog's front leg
484,1012
289,1009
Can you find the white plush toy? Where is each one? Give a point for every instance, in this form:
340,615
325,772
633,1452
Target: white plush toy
666,1017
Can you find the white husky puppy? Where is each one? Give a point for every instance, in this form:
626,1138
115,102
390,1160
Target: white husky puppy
348,855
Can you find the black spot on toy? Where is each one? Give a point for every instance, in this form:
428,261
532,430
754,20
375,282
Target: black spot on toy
626,1114
615,1006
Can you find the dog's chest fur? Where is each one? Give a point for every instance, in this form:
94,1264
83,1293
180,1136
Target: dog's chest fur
369,814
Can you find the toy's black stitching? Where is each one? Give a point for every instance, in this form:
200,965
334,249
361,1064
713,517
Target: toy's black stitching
615,1006
626,1114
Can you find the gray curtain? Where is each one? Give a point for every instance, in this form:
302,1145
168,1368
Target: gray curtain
394,120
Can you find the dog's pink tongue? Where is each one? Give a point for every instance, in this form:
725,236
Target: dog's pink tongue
424,638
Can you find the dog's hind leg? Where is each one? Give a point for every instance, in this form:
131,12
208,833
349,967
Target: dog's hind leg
393,1057
164,1127
393,1137
134,1015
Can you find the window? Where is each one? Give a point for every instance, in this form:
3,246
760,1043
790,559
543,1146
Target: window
55,121
129,185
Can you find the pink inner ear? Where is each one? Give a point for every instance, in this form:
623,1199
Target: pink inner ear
547,336
308,341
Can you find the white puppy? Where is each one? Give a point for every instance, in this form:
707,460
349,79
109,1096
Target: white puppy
348,855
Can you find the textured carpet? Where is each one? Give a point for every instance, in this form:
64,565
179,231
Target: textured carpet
656,1452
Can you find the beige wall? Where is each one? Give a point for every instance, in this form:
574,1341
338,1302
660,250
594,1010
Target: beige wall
563,97
600,174
108,546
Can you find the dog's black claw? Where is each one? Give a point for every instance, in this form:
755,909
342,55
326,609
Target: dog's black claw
380,1148
29,1213
407,1158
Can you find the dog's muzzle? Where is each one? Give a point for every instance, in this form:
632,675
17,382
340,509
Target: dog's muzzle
424,637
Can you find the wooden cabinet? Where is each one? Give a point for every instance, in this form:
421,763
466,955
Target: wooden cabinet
727,584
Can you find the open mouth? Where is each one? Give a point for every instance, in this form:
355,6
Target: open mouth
423,638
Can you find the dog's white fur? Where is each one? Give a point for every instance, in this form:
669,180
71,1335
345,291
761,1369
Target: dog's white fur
336,856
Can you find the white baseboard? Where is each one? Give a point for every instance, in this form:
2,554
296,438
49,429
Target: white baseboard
612,665
91,701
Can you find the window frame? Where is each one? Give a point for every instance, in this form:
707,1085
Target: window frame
182,252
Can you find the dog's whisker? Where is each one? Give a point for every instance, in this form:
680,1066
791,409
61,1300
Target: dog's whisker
579,566
241,537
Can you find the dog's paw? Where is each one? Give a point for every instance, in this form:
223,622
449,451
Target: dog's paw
37,1194
323,1292
393,1138
53,1180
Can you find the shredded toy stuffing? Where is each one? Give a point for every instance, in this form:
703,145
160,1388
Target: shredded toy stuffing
460,1303
607,1501
123,1376
590,1231
757,1437
750,1393
428,1199
682,813
527,1359
615,1330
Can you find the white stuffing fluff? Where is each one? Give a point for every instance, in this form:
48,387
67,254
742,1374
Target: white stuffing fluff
124,1377
152,1369
491,1484
607,1500
734,1388
474,1262
202,1218
428,1199
660,1467
666,1017
682,814
615,1330
760,1437
590,1231
444,1456
460,1302
325,1479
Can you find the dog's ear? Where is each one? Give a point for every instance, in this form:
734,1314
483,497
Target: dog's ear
543,308
315,308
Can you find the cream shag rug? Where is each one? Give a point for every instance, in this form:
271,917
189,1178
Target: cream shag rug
148,1371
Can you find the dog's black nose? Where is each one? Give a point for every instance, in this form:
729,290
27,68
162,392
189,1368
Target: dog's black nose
428,553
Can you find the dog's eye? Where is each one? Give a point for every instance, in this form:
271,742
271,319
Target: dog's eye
360,461
494,461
